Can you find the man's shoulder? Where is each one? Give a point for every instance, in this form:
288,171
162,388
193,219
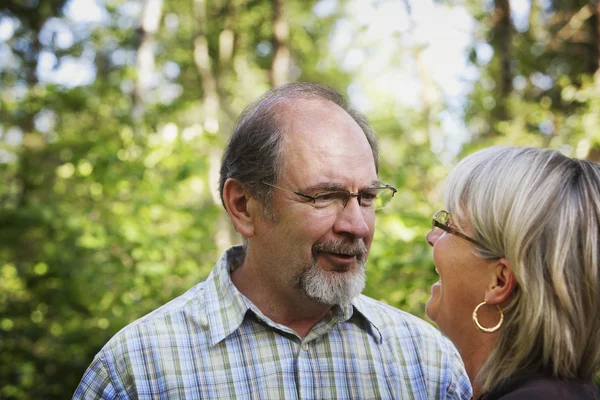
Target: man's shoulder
403,331
160,338
182,314
417,344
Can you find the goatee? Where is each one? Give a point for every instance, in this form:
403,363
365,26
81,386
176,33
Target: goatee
334,287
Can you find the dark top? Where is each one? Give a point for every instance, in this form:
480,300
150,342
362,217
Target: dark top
540,386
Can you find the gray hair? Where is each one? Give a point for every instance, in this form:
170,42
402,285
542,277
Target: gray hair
254,152
541,211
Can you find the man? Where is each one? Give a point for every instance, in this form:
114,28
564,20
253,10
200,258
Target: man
281,317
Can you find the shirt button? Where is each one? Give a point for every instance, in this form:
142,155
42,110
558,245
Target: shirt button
305,346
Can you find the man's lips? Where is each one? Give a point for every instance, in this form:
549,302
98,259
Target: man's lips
340,255
340,261
341,251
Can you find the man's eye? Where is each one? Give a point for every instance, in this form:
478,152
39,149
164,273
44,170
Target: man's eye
326,196
329,198
368,199
369,196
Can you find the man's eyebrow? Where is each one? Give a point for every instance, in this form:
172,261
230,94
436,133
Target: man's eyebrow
325,187
334,187
375,183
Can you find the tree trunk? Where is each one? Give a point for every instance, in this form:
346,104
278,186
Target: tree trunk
502,31
225,234
151,16
596,35
281,58
204,63
594,153
33,142
430,92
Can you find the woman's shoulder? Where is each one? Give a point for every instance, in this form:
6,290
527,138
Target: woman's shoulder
545,387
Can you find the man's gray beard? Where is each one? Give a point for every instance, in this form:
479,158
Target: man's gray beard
332,287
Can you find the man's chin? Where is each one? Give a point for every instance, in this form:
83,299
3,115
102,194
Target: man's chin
331,286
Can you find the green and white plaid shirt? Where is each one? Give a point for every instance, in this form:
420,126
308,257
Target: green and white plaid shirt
213,343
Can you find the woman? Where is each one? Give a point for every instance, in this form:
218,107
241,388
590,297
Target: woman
518,255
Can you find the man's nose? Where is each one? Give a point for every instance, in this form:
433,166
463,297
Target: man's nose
352,219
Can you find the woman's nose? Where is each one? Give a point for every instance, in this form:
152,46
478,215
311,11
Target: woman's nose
432,236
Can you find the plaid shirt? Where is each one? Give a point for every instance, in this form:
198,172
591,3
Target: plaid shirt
213,343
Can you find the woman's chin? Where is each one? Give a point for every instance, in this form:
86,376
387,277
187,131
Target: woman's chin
433,304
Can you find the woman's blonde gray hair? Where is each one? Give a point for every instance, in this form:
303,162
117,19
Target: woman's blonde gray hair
541,211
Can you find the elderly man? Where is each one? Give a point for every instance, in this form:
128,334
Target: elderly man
282,317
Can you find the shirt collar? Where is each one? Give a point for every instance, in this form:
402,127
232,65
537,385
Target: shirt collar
225,307
367,312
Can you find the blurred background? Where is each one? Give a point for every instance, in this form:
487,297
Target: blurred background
114,115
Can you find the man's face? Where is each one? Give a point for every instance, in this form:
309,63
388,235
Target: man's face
311,252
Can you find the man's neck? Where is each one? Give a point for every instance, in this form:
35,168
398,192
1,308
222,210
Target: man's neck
294,310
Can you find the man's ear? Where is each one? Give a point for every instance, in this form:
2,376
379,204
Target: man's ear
236,199
502,282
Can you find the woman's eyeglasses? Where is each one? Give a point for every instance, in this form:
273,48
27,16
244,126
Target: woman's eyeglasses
441,219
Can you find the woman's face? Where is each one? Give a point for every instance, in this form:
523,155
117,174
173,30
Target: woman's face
463,279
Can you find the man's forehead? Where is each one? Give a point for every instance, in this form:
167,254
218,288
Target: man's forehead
297,109
307,116
328,145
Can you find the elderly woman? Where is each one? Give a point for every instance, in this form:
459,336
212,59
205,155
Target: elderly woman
518,255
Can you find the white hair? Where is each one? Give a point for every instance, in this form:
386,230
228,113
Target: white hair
331,287
541,211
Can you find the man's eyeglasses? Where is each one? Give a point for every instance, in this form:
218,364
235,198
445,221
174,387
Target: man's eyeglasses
374,198
441,219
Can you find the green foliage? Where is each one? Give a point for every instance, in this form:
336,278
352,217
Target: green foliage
108,204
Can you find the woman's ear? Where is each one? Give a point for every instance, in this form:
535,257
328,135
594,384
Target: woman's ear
502,282
236,199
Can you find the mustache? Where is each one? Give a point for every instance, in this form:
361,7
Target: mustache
356,248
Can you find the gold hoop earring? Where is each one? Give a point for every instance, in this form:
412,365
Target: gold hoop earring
482,328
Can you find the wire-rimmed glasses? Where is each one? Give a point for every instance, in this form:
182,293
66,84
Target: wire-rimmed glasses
374,197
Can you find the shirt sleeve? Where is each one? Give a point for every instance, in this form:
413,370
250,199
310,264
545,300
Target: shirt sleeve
96,383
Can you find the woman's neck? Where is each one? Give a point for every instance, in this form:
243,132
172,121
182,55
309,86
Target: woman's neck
474,355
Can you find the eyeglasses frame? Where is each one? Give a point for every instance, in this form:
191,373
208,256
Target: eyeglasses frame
447,228
313,199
